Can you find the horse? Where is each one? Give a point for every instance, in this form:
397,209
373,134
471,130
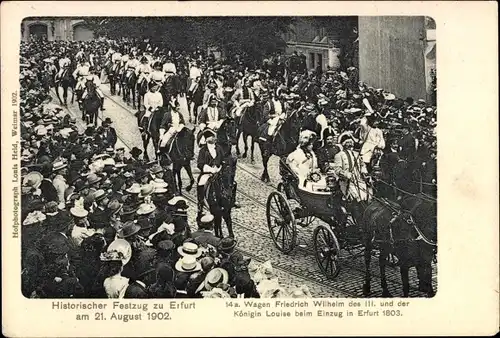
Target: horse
113,71
220,194
282,144
150,129
407,231
170,88
248,125
91,104
195,100
142,89
66,80
129,80
180,152
226,135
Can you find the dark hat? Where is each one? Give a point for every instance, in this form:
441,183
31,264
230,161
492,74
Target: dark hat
144,223
227,244
140,173
328,132
208,133
144,262
129,229
135,152
56,243
165,246
107,121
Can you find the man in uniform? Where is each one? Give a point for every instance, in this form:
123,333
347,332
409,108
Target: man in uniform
97,82
64,64
242,98
80,74
210,160
212,116
274,113
172,123
327,152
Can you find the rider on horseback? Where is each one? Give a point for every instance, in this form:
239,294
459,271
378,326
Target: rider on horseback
152,101
173,121
64,64
242,98
132,64
211,116
94,78
274,113
80,74
143,71
169,67
157,76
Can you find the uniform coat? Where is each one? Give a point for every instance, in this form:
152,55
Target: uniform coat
348,166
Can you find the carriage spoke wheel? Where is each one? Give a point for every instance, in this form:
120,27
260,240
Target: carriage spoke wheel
326,250
281,222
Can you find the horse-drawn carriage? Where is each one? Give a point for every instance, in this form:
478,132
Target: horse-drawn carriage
323,204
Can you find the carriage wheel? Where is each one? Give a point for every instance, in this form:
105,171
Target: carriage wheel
326,250
281,222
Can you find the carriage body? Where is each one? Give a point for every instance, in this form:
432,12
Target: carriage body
283,220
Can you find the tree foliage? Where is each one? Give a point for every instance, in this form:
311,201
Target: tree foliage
256,36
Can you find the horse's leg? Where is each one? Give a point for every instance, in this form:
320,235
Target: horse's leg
229,222
404,270
424,272
57,93
145,142
218,225
65,95
238,135
252,160
245,142
187,166
383,260
133,97
179,177
368,259
265,159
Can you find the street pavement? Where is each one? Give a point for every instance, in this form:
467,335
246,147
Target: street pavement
294,269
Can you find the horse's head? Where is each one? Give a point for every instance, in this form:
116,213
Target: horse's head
228,131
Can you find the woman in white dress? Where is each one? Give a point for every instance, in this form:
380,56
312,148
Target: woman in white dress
371,138
303,161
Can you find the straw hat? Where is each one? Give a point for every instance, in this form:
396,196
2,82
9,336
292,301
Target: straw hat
123,247
134,189
215,277
33,179
146,190
78,212
146,208
187,264
190,249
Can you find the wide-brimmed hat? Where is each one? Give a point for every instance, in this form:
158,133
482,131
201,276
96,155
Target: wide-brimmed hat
207,219
178,202
93,179
146,208
129,229
146,190
100,195
33,179
159,183
78,212
156,169
114,206
135,188
122,246
227,244
59,165
215,277
188,264
190,249
135,152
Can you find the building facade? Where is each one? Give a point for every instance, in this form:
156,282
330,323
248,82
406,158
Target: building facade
56,29
398,54
317,42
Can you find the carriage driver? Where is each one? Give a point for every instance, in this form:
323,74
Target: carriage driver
173,121
143,71
80,74
97,82
64,63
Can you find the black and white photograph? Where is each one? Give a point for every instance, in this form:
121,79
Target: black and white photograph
228,157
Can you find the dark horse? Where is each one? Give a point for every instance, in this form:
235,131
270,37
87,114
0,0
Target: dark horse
195,100
181,151
220,194
129,80
248,126
226,135
91,104
142,89
150,128
283,143
66,81
170,88
408,231
114,74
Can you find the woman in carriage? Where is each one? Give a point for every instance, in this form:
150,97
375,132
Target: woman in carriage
304,163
